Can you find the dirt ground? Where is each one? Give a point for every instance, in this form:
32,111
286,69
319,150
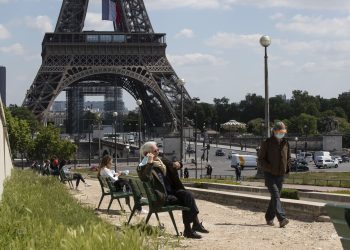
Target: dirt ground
230,227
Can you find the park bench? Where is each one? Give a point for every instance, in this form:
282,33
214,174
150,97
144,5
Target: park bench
340,216
138,194
66,178
108,188
155,207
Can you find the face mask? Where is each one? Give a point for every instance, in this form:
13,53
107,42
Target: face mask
279,136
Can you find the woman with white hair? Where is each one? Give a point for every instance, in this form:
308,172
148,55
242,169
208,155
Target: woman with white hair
164,178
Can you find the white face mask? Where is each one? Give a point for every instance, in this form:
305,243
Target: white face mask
279,136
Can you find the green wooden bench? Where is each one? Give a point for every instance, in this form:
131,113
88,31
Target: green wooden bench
340,216
155,208
65,178
139,195
108,188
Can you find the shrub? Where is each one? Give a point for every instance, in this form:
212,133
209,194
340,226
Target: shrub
290,194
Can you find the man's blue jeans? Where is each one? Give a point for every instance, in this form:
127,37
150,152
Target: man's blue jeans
274,185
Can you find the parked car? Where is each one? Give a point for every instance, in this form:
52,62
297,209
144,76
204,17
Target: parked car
190,150
308,157
243,160
220,152
159,145
299,166
340,160
345,158
327,163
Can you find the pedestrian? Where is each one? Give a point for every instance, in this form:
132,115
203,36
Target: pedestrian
186,173
275,158
209,170
75,176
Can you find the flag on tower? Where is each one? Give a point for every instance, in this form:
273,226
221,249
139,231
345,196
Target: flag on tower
109,10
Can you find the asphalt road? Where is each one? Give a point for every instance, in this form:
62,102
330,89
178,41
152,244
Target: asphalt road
221,164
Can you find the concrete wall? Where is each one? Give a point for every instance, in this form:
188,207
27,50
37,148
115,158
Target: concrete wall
332,142
5,154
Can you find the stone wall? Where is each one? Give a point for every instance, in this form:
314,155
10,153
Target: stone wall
332,142
5,154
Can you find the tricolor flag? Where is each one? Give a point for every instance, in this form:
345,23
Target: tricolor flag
109,10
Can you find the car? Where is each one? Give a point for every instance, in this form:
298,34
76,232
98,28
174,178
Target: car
299,166
345,158
220,152
327,163
159,145
340,160
131,140
190,150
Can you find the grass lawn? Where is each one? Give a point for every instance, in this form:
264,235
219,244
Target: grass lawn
37,212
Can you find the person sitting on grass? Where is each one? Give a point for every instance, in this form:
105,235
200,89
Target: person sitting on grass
75,176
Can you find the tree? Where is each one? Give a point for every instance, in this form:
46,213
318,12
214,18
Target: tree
255,126
24,113
48,143
302,102
252,107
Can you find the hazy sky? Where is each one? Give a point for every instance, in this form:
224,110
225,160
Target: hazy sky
212,44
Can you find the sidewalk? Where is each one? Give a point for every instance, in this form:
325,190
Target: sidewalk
230,227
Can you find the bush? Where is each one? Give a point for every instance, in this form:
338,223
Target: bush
290,194
37,212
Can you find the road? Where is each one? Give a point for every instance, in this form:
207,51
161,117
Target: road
221,164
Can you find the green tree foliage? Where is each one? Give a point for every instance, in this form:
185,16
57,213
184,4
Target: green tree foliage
20,135
48,143
302,102
255,126
303,124
24,113
252,107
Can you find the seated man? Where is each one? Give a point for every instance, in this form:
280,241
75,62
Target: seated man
164,178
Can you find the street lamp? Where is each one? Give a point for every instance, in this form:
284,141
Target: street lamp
265,41
115,115
305,130
139,103
181,83
90,130
127,147
195,99
296,147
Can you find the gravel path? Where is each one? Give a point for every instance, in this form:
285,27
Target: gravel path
230,227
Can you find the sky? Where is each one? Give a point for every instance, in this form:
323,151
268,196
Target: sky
212,44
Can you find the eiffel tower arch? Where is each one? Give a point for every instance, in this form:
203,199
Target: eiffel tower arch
131,57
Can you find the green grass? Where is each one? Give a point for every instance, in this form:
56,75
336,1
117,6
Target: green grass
37,212
290,194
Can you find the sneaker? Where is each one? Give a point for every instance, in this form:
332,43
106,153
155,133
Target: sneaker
284,222
192,234
199,228
270,222
87,185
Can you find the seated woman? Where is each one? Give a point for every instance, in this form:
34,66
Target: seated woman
105,170
75,176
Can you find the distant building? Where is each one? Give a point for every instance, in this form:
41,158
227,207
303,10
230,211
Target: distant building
57,117
3,84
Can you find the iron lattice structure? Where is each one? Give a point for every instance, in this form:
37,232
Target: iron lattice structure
132,58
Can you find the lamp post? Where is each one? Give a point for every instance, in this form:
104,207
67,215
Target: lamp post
181,83
305,130
265,41
296,147
127,147
115,115
139,103
195,99
90,130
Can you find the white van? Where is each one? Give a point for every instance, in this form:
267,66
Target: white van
243,160
322,155
305,156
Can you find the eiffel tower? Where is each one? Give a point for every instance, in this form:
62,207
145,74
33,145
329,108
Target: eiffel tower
132,57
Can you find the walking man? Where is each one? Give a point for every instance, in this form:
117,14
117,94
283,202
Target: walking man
275,159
